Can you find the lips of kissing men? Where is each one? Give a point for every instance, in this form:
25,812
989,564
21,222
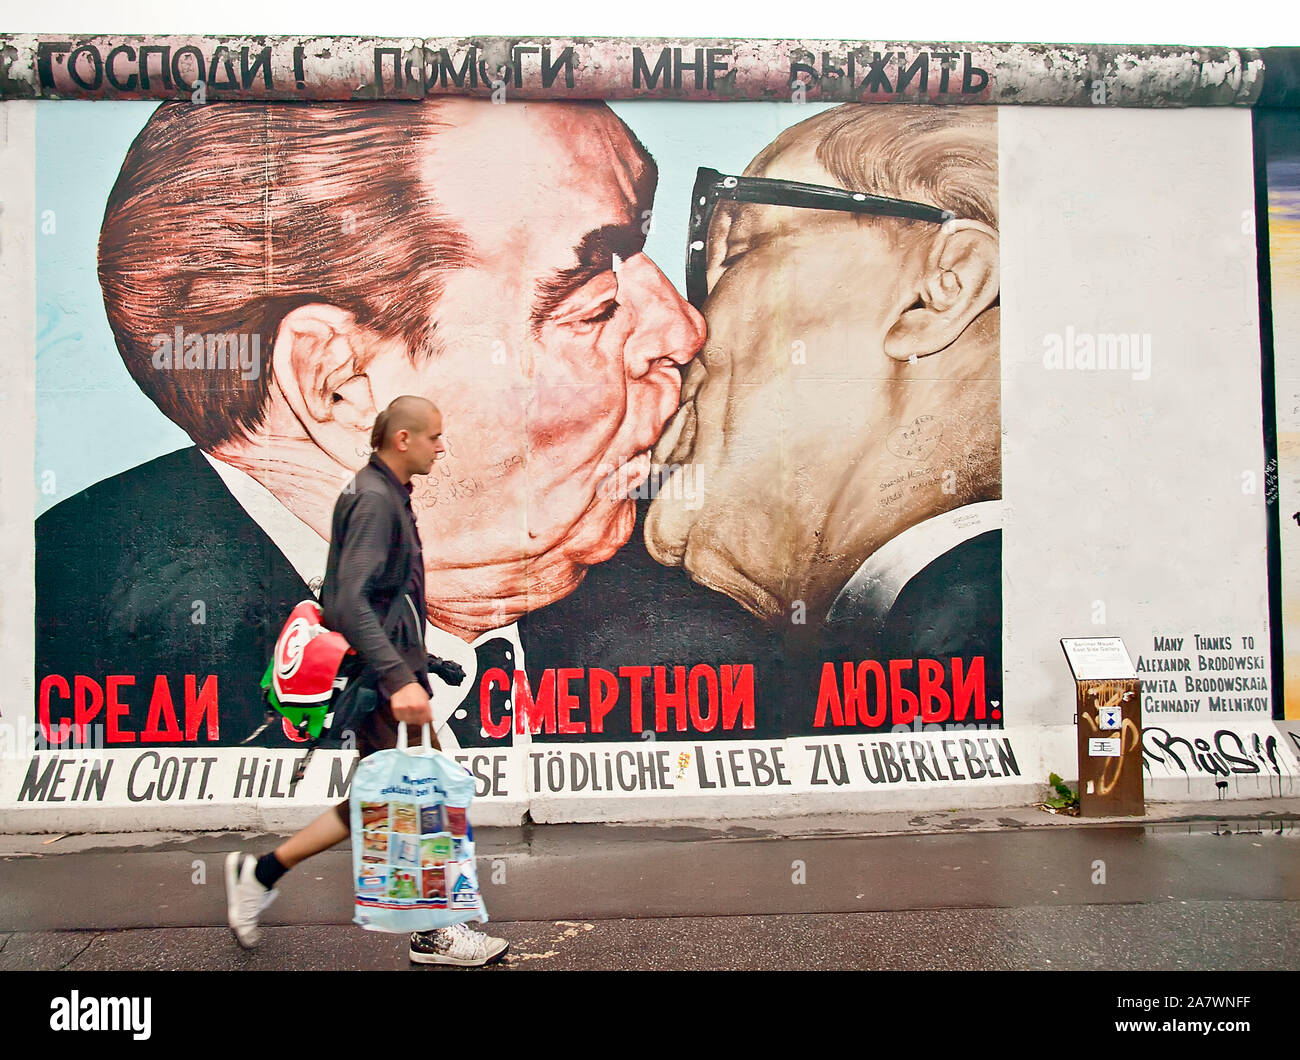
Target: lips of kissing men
677,441
689,439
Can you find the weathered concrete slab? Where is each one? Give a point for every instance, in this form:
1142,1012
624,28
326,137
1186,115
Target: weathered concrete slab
68,66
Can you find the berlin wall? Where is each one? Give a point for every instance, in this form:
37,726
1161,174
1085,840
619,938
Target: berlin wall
799,397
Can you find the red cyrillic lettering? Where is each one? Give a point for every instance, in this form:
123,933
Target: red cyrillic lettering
201,705
499,678
566,701
49,682
855,692
635,675
738,695
676,700
932,689
161,709
602,692
115,707
867,716
704,721
537,715
968,687
902,701
87,701
828,698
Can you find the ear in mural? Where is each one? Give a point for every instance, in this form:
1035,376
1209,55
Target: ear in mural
762,514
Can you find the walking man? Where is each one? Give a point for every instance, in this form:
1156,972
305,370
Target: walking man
373,594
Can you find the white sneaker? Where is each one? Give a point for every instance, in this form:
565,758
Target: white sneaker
458,944
246,899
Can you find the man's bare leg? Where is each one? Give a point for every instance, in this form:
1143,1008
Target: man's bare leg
323,833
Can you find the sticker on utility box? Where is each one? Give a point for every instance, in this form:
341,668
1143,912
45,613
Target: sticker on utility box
1103,747
1108,717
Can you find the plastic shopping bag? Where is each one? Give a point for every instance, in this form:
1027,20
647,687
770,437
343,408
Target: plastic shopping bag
412,845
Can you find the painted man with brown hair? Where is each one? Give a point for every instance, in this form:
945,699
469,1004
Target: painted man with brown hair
361,251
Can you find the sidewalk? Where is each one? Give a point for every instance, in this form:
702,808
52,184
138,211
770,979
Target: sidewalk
900,822
1194,883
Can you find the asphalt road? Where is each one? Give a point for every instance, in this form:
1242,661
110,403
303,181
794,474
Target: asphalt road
992,890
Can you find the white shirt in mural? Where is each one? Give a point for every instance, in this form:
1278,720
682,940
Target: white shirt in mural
876,584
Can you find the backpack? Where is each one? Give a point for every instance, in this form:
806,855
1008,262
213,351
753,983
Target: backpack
304,672
314,679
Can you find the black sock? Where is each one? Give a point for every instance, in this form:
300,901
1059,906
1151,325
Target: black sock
268,870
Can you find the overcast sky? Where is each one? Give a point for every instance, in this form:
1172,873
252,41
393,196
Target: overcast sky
1255,23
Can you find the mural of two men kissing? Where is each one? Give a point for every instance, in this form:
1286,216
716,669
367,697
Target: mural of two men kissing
762,504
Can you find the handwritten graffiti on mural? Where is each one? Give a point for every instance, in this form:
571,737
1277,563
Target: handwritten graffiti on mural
1229,754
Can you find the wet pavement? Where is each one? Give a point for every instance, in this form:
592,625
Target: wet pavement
1212,887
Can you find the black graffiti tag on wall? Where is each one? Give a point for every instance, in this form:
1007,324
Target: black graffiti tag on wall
1230,754
1295,740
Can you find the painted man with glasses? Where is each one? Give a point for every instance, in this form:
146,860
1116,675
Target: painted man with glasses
839,434
844,413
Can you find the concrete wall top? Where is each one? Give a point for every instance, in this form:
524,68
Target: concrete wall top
69,66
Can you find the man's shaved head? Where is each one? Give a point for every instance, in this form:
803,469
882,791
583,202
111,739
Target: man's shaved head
406,413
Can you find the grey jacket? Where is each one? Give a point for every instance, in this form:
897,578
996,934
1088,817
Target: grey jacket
373,591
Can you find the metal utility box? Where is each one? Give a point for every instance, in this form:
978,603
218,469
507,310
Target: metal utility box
1109,725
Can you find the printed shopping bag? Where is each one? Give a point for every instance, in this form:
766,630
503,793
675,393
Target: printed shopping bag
412,845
